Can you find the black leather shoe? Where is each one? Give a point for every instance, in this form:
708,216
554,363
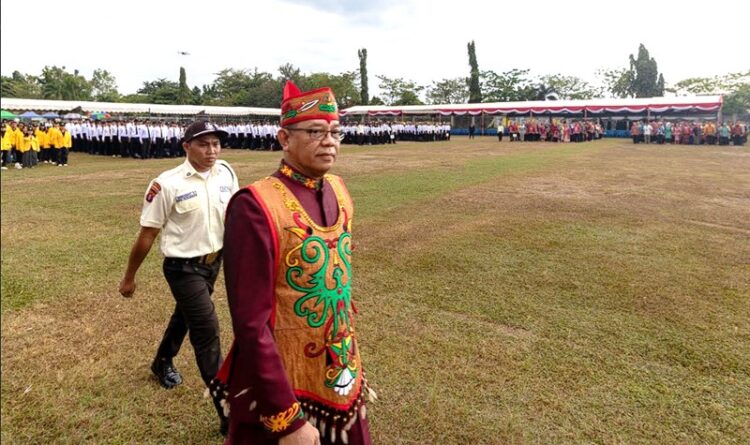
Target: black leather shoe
166,373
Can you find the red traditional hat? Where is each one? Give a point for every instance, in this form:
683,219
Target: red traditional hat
297,106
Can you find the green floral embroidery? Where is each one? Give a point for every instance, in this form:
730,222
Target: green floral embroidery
336,301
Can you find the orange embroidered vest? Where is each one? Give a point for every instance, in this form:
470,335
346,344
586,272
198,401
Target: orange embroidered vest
313,320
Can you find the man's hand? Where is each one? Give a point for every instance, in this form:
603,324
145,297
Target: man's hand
127,287
307,435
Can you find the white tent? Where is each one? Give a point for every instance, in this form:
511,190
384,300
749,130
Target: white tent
654,105
117,107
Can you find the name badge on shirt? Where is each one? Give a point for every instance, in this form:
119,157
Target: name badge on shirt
186,196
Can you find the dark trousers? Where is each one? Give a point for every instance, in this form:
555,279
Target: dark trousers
63,156
194,314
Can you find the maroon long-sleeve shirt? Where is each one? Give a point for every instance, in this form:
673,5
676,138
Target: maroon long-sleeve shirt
249,272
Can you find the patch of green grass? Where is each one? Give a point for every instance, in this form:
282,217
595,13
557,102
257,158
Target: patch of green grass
508,293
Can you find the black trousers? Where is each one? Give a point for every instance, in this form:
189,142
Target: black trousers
62,156
194,314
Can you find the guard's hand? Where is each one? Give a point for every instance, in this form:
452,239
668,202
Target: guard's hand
307,435
127,287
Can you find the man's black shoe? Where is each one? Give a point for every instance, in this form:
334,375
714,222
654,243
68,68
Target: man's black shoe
166,373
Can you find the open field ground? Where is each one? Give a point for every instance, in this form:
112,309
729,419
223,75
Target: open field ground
509,294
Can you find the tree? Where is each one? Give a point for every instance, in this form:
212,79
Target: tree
376,101
344,86
397,91
183,91
734,86
509,86
475,92
195,96
646,79
233,87
618,82
567,87
364,90
448,91
737,103
160,91
104,86
290,72
641,79
21,85
59,84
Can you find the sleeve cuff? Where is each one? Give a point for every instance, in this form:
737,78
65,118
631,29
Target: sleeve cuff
284,422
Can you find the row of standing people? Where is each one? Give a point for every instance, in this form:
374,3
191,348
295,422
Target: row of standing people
688,133
148,139
25,146
564,131
390,133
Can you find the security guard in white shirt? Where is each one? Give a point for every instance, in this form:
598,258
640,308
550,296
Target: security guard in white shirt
187,204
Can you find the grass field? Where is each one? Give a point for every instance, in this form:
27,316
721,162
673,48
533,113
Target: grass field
509,294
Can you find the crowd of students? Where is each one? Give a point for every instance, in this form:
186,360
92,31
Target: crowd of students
376,133
25,146
688,133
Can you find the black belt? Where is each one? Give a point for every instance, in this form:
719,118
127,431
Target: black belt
207,259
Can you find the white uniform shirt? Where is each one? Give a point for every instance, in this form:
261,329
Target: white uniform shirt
189,209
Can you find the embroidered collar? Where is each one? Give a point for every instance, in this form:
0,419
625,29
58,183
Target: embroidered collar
286,170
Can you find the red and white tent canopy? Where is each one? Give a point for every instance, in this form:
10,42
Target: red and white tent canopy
655,105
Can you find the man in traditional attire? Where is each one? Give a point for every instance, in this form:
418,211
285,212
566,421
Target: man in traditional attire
294,373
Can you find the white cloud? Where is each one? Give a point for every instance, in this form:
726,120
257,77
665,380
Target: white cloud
419,40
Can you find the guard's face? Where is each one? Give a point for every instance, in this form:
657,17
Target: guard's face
202,152
303,150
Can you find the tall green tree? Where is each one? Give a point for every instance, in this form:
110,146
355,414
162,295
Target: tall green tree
475,92
448,91
104,86
183,91
646,82
364,93
640,79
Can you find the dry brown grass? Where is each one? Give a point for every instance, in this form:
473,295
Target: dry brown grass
509,293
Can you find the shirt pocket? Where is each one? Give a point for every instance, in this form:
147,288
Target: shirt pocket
187,201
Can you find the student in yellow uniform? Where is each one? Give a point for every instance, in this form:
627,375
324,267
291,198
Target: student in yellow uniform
16,136
43,139
27,147
66,143
55,141
5,146
35,149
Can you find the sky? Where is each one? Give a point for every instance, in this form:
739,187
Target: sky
419,40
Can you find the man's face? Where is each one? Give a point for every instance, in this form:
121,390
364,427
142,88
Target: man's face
302,151
203,151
